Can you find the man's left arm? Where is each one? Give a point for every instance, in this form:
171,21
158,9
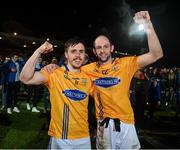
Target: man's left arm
155,49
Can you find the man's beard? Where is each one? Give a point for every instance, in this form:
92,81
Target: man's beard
105,60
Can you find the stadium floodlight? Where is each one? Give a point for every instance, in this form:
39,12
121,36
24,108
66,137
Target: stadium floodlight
136,29
140,27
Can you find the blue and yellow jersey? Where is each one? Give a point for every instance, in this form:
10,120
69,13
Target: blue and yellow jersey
112,82
69,103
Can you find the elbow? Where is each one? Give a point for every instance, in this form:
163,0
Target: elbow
159,56
23,79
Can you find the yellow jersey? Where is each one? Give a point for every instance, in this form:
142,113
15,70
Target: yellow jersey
69,95
112,82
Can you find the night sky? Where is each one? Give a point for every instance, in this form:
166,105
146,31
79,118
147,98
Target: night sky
61,20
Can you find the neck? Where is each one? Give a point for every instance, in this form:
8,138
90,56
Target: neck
72,69
109,61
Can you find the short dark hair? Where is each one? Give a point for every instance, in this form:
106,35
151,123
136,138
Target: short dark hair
72,42
103,32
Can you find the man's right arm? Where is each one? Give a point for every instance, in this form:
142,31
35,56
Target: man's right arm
28,74
50,68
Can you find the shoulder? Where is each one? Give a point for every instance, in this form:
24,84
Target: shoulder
59,70
126,59
88,67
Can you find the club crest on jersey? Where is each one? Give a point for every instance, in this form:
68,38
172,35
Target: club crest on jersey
84,81
75,95
106,82
104,72
115,68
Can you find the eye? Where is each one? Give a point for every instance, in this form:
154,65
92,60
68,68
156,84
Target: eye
82,51
98,47
106,46
73,51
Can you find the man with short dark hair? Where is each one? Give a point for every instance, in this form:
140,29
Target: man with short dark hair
69,89
112,78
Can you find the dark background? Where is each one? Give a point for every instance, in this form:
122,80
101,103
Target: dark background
60,20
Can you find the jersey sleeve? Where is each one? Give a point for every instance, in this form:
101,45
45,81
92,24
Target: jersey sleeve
46,76
131,64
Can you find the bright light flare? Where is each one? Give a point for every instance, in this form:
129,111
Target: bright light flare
15,33
136,29
141,27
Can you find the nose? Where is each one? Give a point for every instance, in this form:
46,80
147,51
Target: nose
102,50
77,54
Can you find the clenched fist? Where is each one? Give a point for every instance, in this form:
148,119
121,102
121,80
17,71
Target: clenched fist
142,17
46,47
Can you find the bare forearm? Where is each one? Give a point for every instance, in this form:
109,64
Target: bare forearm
28,74
28,70
155,48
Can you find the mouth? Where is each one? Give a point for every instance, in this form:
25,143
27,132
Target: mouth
77,60
103,56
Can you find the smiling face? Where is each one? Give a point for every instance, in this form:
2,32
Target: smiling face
75,56
103,49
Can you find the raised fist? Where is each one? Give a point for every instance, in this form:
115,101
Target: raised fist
46,47
142,17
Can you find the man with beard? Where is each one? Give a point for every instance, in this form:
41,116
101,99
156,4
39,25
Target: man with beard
112,78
